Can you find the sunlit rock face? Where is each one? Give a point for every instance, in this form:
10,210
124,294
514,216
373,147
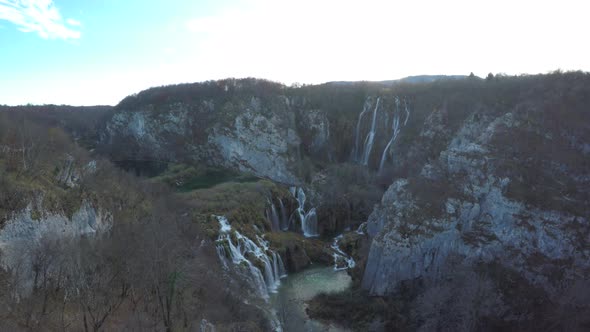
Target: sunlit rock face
244,139
233,129
256,144
507,187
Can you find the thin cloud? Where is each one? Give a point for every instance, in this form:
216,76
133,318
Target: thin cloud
73,22
40,16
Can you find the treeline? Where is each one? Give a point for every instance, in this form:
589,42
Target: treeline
196,93
83,124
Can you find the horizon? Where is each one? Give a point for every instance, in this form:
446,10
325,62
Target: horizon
293,85
64,52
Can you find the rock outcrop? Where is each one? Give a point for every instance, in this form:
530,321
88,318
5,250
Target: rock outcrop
25,234
508,187
233,128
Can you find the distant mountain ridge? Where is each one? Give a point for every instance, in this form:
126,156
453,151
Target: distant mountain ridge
409,79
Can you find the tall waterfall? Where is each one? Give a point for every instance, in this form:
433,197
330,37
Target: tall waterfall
284,219
243,251
277,218
356,151
370,137
395,128
273,217
309,219
341,260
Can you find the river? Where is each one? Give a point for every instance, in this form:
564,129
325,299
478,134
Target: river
297,288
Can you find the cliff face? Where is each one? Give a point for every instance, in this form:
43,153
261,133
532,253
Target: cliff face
231,128
510,186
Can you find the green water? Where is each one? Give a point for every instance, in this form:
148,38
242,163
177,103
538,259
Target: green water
296,289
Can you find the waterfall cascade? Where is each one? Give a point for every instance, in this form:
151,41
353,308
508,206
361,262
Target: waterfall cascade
370,136
284,219
277,218
395,128
246,251
356,151
362,154
362,228
309,219
273,216
341,260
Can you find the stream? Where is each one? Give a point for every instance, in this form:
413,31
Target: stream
297,288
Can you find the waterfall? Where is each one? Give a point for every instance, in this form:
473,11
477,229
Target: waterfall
273,217
341,256
370,137
243,251
284,219
355,153
309,220
277,217
407,112
362,228
395,128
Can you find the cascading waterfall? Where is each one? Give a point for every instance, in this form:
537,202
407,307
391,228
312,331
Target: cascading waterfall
277,217
273,217
370,136
243,250
356,152
284,219
346,262
362,228
407,112
309,220
396,129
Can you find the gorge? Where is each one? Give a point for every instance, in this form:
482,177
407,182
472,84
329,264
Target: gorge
242,204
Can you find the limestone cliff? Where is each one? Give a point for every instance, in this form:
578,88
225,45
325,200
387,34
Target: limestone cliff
232,127
509,186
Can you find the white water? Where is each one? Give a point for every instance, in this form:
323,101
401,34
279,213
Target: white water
309,220
277,217
356,152
341,260
395,128
273,217
243,251
362,228
284,219
370,136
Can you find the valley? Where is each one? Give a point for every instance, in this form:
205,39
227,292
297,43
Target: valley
245,205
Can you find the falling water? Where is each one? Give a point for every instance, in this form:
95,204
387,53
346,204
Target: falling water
273,217
263,281
284,219
355,153
370,137
362,228
396,129
341,256
309,220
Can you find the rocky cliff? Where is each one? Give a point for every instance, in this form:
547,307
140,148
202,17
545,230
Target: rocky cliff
505,183
231,124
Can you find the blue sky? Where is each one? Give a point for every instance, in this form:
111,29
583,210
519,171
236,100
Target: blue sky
86,52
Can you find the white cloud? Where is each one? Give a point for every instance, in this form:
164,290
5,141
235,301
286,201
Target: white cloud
40,16
73,22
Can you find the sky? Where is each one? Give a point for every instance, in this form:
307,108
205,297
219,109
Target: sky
96,52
